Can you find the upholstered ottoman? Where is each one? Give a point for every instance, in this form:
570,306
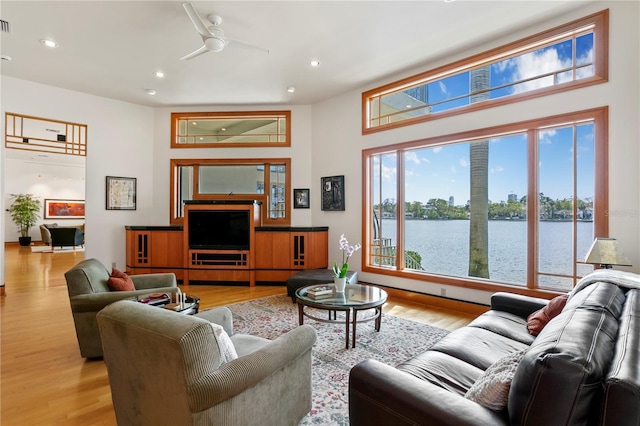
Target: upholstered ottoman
314,276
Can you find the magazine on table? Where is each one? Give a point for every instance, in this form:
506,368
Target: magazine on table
318,291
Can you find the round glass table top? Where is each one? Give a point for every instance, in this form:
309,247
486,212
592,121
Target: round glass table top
354,295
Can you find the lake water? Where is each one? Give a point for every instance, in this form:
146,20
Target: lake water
444,247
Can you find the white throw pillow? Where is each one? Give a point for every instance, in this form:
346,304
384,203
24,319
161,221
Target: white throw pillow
491,390
225,345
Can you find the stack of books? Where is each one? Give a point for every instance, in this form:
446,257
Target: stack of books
155,299
319,292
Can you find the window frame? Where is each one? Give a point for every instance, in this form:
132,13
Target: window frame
263,198
72,142
600,23
177,116
599,116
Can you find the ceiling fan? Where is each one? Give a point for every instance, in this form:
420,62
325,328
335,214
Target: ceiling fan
213,37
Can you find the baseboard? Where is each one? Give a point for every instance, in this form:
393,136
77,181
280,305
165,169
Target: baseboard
437,301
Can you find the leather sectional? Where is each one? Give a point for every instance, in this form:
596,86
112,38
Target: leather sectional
581,369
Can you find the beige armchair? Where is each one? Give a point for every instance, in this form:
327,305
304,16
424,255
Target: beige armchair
168,368
89,293
45,233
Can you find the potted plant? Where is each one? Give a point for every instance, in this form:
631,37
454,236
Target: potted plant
24,212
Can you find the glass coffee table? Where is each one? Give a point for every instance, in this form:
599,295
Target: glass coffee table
183,303
355,298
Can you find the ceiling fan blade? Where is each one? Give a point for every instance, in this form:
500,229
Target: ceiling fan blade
200,25
245,45
202,49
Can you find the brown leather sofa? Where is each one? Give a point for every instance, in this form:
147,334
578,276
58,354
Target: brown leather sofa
582,369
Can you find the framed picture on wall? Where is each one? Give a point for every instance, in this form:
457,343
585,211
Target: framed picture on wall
63,209
332,188
121,193
300,198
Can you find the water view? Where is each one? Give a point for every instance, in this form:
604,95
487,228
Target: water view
444,248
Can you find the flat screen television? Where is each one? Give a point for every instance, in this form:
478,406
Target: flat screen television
219,229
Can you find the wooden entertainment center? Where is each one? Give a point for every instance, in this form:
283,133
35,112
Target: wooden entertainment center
225,243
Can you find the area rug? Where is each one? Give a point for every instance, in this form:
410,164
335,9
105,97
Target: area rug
47,249
397,341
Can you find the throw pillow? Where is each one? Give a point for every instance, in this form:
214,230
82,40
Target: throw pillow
537,320
119,281
225,345
491,390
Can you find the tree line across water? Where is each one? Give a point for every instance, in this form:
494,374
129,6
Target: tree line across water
439,209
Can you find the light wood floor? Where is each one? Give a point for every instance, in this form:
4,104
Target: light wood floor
44,381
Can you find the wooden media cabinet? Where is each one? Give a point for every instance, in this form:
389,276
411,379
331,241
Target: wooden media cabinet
265,255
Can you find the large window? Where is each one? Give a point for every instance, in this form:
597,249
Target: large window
567,57
518,205
267,181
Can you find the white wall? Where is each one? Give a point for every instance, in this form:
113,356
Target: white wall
338,142
119,143
299,152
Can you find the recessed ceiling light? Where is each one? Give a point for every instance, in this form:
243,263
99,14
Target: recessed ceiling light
314,62
291,89
159,74
49,43
151,92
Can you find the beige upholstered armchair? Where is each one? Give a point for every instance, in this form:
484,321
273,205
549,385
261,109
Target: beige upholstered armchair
168,368
89,293
45,233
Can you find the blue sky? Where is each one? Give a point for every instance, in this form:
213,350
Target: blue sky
441,172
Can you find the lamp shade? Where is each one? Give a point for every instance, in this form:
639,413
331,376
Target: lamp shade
606,252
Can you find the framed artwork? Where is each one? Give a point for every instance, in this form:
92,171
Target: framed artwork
121,193
332,193
300,198
63,209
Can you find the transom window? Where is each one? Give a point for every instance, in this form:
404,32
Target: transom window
45,135
519,205
230,129
567,57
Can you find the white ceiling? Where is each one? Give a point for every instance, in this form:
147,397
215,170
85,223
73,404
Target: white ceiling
112,48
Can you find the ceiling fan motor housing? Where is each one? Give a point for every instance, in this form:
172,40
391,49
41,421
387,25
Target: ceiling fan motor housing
214,44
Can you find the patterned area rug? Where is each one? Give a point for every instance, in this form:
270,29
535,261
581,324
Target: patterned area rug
398,340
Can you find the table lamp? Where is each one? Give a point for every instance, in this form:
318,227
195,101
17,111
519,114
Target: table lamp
606,252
